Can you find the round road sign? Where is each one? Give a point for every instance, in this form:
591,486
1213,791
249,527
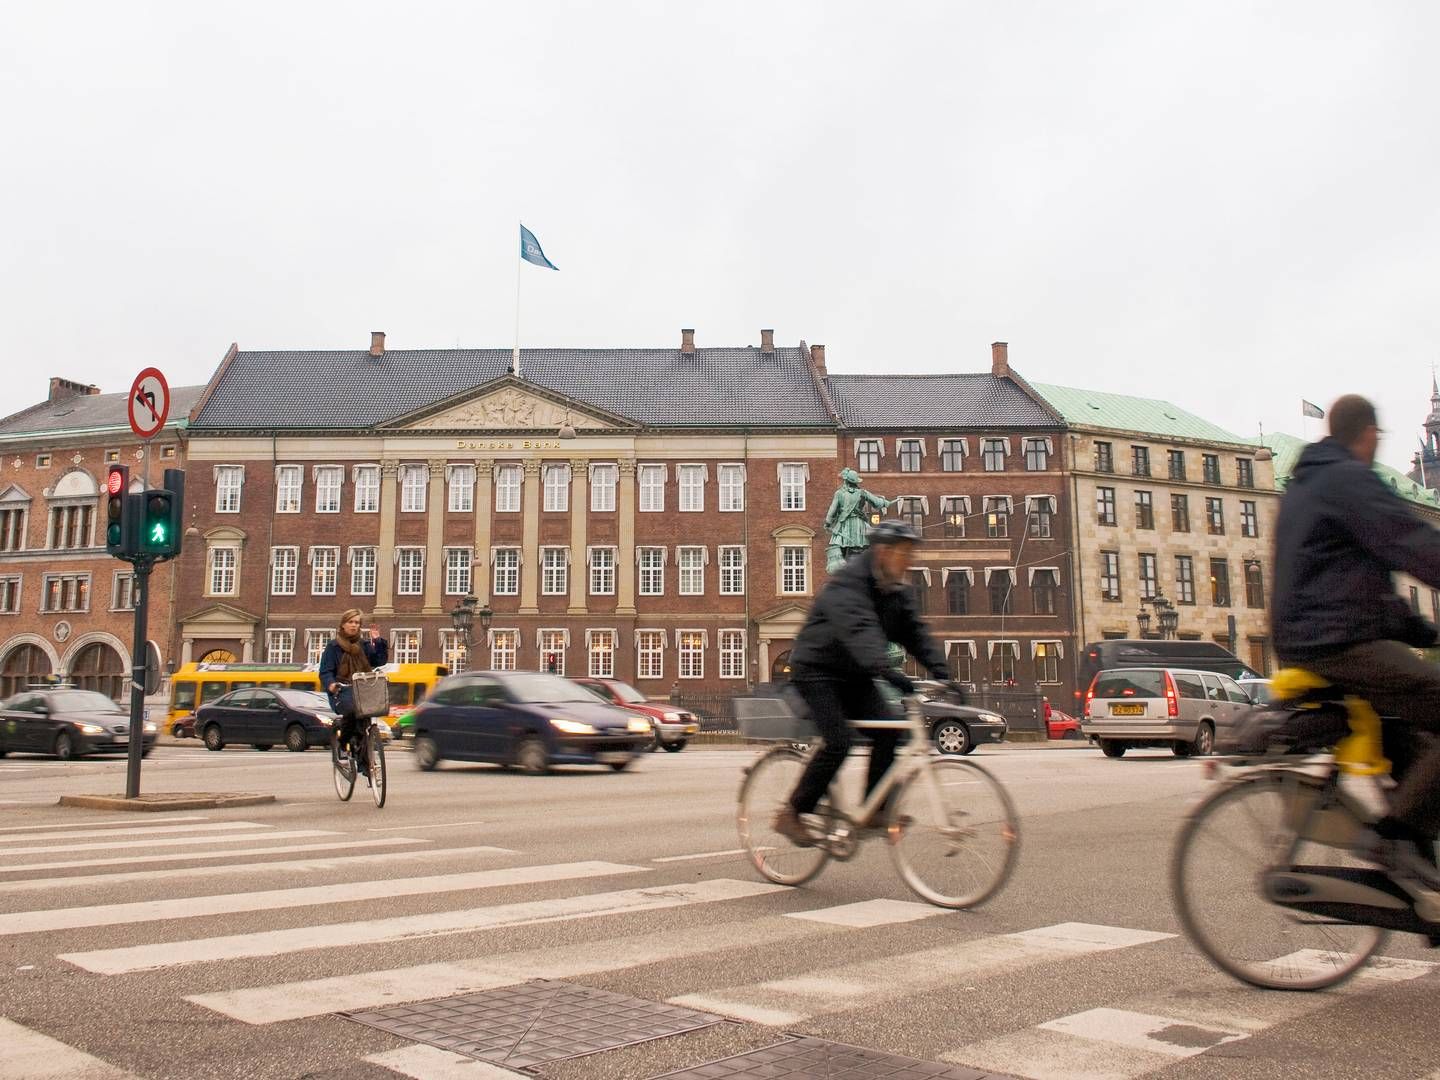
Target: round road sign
149,403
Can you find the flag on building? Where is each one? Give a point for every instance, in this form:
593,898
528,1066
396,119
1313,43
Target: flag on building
1305,406
531,251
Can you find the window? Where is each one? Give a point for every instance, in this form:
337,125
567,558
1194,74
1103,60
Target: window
1177,464
42,461
1149,577
552,651
1003,655
70,527
167,452
732,654
954,509
279,646
1109,575
503,647
222,570
1215,516
1180,513
1037,455
867,455
554,571
1414,590
652,489
910,451
10,594
315,642
1140,460
12,530
1047,661
692,487
1041,516
1255,588
1144,511
1105,505
507,489
362,571
1000,586
228,481
919,589
602,488
412,489
651,561
690,564
460,490
649,654
457,571
961,658
602,571
1249,519
122,592
794,569
692,653
328,479
405,646
1219,582
912,511
288,479
1043,587
411,578
732,488
557,489
997,517
1104,457
324,569
1244,472
957,592
732,571
952,455
367,489
601,647
1210,466
453,653
792,485
284,570
1184,579
993,455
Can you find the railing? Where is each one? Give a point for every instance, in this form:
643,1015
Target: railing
713,708
1024,710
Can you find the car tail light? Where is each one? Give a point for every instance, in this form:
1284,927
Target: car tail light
1172,703
1089,697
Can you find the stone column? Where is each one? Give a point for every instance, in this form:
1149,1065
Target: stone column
385,552
763,674
484,496
625,557
530,540
579,526
247,650
435,506
187,650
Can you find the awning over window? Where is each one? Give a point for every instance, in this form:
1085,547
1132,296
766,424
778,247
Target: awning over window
1052,648
1039,502
1008,571
1007,645
969,574
1051,569
963,646
655,633
540,635
998,504
704,636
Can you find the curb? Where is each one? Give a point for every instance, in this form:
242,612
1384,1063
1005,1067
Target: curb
168,801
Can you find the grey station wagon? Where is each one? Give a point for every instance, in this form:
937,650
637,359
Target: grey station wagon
1173,707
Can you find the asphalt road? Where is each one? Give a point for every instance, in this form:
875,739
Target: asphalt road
221,943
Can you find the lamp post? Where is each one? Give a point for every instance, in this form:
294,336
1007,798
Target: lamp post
484,615
462,617
1142,620
1165,614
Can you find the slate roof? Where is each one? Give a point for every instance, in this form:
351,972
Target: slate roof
349,390
1287,450
935,401
91,412
1150,416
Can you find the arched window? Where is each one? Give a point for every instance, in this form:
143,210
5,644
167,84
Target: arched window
98,667
218,656
23,665
780,668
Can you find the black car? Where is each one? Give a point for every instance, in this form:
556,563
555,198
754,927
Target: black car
954,728
298,718
66,723
527,719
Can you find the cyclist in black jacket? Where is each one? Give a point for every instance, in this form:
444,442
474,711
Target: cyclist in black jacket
839,653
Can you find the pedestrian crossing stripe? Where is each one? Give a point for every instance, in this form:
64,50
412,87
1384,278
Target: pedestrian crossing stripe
170,841
90,823
347,844
136,830
29,1055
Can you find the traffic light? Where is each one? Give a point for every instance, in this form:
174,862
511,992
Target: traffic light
163,514
117,486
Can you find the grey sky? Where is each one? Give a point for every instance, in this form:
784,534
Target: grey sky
1227,204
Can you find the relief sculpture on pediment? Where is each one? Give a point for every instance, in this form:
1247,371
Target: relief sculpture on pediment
507,410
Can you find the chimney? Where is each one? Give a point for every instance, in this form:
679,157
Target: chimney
377,342
687,340
1000,359
767,340
62,389
817,358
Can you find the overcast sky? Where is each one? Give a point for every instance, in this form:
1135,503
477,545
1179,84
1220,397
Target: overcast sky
1230,205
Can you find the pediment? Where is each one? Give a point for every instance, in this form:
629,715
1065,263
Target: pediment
218,616
509,405
785,613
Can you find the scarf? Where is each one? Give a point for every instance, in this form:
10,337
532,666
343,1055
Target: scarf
352,657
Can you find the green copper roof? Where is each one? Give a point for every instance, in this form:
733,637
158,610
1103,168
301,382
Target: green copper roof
1287,450
1151,416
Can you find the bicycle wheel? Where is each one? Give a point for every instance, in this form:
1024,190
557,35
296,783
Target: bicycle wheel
375,751
1230,841
344,772
766,790
954,843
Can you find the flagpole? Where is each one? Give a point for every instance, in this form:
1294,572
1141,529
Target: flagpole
515,356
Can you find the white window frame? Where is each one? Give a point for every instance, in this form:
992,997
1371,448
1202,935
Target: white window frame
651,481
316,638
366,480
732,569
602,560
279,646
604,478
229,483
649,654
509,487
555,641
222,559
405,645
879,446
364,562
554,570
284,570
410,571
505,561
655,567
504,649
690,561
452,649
556,488
986,446
414,484
600,651
123,581
900,445
289,488
732,654
329,486
691,478
460,488
324,570
962,447
730,488
792,569
1041,445
690,647
794,476
459,579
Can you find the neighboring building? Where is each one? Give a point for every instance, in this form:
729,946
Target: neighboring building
1167,505
66,607
975,461
1425,466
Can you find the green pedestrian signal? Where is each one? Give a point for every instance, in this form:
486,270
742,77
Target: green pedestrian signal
159,532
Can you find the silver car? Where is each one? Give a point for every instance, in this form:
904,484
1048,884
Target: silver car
1176,707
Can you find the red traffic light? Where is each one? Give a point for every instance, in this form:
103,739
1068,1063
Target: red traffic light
115,482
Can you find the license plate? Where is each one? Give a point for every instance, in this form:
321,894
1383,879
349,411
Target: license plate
692,729
1127,710
610,757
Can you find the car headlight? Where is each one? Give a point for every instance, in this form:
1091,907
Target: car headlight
992,718
572,727
674,718
328,721
91,729
639,724
150,727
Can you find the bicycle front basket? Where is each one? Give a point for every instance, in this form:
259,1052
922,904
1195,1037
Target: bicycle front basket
372,693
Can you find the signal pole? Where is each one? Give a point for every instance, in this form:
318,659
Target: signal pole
139,653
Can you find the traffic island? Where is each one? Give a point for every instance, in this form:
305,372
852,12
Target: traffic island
174,800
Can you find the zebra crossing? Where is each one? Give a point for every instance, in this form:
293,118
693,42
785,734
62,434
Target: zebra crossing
663,923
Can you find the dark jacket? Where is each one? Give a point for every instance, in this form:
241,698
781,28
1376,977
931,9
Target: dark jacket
851,622
1341,533
377,652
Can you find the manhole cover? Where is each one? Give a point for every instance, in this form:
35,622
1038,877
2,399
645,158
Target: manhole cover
535,1022
820,1059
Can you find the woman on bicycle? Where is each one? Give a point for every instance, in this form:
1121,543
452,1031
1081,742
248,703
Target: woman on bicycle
345,656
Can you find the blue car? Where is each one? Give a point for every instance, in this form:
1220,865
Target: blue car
524,719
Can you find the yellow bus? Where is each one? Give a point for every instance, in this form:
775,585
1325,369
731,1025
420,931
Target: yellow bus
409,683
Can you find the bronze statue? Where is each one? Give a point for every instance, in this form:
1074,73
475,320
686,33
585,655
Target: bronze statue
846,519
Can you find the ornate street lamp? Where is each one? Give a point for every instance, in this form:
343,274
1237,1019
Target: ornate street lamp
1169,622
463,617
1142,619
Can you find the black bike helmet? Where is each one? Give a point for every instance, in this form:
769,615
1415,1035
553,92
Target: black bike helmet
892,531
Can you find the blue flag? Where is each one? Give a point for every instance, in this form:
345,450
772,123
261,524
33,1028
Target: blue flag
531,251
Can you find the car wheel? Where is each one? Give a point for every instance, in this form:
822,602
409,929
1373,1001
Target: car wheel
214,740
621,766
676,746
1204,743
427,752
65,746
952,737
1112,748
532,758
296,741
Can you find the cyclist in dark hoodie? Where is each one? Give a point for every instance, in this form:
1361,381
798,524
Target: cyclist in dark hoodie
1340,536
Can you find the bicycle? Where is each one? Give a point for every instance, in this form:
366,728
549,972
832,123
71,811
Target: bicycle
953,848
1243,892
370,742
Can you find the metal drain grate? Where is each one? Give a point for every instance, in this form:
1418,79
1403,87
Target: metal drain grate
819,1059
526,1025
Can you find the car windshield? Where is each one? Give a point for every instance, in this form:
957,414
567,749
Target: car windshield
71,701
626,692
304,699
1130,683
546,689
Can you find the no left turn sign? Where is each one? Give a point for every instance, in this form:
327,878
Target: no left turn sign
149,403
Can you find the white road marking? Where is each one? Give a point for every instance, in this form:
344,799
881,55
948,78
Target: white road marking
29,1055
142,830
171,841
1380,968
402,927
30,922
186,856
1142,1031
871,913
412,828
95,822
421,1062
699,855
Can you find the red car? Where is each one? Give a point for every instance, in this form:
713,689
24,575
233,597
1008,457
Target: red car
672,727
1060,725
